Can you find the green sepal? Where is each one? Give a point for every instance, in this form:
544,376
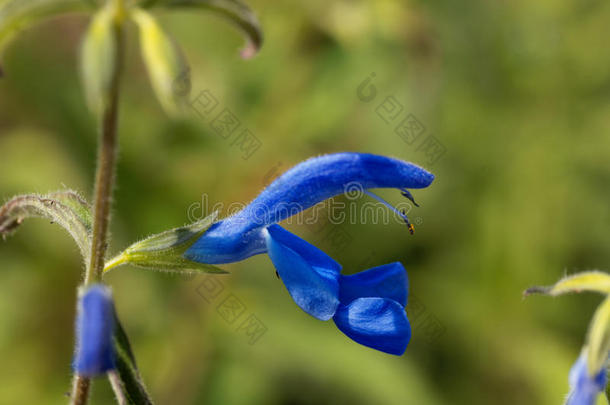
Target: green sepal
132,388
235,11
166,65
165,251
595,281
65,208
598,339
17,15
98,56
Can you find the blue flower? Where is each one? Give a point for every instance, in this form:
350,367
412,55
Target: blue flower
94,331
368,306
585,388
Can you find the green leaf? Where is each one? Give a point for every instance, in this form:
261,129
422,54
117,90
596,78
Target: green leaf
599,338
16,15
65,208
164,251
97,58
132,388
167,67
596,281
234,10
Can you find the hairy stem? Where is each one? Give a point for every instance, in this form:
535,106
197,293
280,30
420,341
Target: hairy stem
104,180
80,390
104,183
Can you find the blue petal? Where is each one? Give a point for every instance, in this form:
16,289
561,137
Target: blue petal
310,275
308,183
94,330
227,243
585,388
379,323
387,281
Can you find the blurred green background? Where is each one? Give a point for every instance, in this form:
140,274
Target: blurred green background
518,95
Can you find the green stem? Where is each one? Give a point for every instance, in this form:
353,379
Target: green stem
104,180
104,183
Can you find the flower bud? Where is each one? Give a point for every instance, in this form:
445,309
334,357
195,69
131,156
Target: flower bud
94,332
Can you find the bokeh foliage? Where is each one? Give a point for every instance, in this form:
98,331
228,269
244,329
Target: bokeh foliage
517,92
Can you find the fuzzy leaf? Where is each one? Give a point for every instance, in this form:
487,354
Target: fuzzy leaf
132,387
16,15
599,338
97,58
596,281
165,251
65,208
234,10
167,67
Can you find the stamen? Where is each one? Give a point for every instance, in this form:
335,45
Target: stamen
409,225
402,213
407,193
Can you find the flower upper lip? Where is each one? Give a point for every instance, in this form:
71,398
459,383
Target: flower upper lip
306,184
320,178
